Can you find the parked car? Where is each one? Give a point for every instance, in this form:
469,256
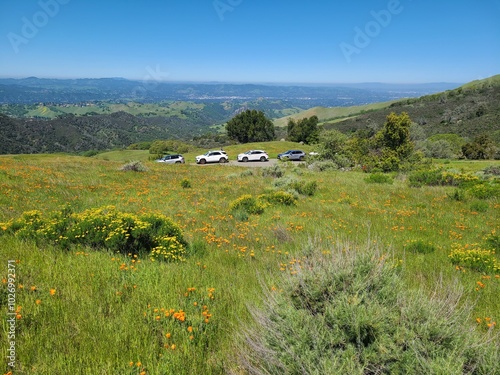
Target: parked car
292,155
212,157
172,159
253,155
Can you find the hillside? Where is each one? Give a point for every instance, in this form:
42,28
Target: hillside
333,113
468,110
57,127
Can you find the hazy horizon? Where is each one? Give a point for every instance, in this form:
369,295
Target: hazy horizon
239,41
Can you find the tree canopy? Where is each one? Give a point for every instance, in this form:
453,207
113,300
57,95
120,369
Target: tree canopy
304,130
250,126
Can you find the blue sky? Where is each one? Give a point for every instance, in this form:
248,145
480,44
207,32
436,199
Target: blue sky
393,41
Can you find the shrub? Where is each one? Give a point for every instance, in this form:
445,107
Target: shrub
474,257
299,186
379,178
101,228
168,249
457,195
279,197
305,188
185,183
134,166
479,206
484,190
248,204
350,313
426,177
493,242
274,171
492,170
325,165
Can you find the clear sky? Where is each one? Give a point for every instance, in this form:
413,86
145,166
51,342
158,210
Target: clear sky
282,41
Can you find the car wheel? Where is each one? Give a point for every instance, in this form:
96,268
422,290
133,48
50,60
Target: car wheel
245,159
177,162
301,158
222,160
202,161
262,158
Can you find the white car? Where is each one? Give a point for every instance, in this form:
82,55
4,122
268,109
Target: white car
212,157
253,155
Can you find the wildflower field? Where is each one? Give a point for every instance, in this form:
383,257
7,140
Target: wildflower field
167,270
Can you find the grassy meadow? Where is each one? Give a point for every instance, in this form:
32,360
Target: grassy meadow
81,310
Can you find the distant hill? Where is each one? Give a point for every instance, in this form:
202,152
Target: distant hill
468,110
34,90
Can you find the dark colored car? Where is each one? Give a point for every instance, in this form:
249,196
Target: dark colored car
292,155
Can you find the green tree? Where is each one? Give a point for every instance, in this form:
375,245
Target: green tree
481,148
395,135
304,130
250,126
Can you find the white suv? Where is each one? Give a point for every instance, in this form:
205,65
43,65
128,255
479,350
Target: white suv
212,157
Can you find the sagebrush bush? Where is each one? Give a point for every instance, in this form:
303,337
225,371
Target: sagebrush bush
274,171
134,166
323,165
350,313
299,186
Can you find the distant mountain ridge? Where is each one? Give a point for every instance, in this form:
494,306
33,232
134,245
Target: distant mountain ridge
45,90
468,110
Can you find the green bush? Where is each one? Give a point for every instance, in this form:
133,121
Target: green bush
350,313
279,197
474,257
484,190
305,188
426,178
479,206
100,228
379,178
248,204
185,183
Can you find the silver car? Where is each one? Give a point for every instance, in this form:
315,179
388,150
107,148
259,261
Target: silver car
172,159
292,155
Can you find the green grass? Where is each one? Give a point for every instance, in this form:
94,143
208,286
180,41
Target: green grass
332,113
95,323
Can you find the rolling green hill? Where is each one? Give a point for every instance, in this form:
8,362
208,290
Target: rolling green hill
468,110
333,113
